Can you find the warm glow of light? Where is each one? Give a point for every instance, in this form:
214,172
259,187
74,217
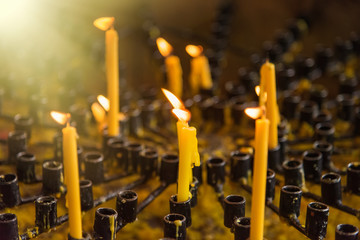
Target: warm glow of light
104,23
182,115
98,112
254,112
104,102
164,47
193,50
60,117
257,90
175,102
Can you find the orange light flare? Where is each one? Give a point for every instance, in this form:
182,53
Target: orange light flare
104,102
104,23
193,50
175,102
60,118
255,112
257,91
164,47
182,115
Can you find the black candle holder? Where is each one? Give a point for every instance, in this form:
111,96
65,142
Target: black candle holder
126,206
86,195
58,147
270,185
274,159
308,110
85,236
52,173
242,228
316,220
331,189
353,178
293,172
25,167
197,172
324,132
148,162
117,149
346,232
134,150
283,142
94,167
23,123
17,143
234,207
290,105
215,171
9,191
45,212
346,109
175,226
194,185
169,168
183,208
105,223
322,117
9,226
326,150
312,163
319,95
240,165
290,199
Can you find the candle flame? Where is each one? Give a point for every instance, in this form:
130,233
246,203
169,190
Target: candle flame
182,115
60,117
175,102
257,90
104,102
164,47
98,112
104,23
193,50
254,112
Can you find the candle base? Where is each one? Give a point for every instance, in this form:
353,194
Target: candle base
183,208
86,236
174,226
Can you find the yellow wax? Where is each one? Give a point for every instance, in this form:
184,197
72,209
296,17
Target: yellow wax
186,151
200,76
259,179
267,73
112,73
174,75
72,181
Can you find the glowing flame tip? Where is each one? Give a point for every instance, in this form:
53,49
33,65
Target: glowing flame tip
193,50
175,102
104,102
104,23
164,47
182,115
60,117
254,112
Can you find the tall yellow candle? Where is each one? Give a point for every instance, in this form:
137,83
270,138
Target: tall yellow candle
267,73
112,71
259,179
71,174
173,67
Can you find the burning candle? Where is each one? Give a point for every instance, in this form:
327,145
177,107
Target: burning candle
99,114
112,71
173,67
188,150
71,173
200,76
259,176
268,86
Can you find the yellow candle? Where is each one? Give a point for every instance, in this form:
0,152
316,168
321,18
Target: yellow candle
268,82
72,180
112,71
259,179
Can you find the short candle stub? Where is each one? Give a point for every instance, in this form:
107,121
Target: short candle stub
316,220
183,208
270,185
175,226
331,192
17,143
346,232
293,172
86,195
52,177
134,150
45,212
105,223
290,200
234,207
353,178
215,171
242,228
23,123
169,168
94,167
312,162
240,163
25,167
9,226
126,206
9,190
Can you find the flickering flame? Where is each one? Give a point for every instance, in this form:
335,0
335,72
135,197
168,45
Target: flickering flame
98,112
254,112
60,117
164,47
104,23
257,90
182,115
193,50
175,102
104,102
